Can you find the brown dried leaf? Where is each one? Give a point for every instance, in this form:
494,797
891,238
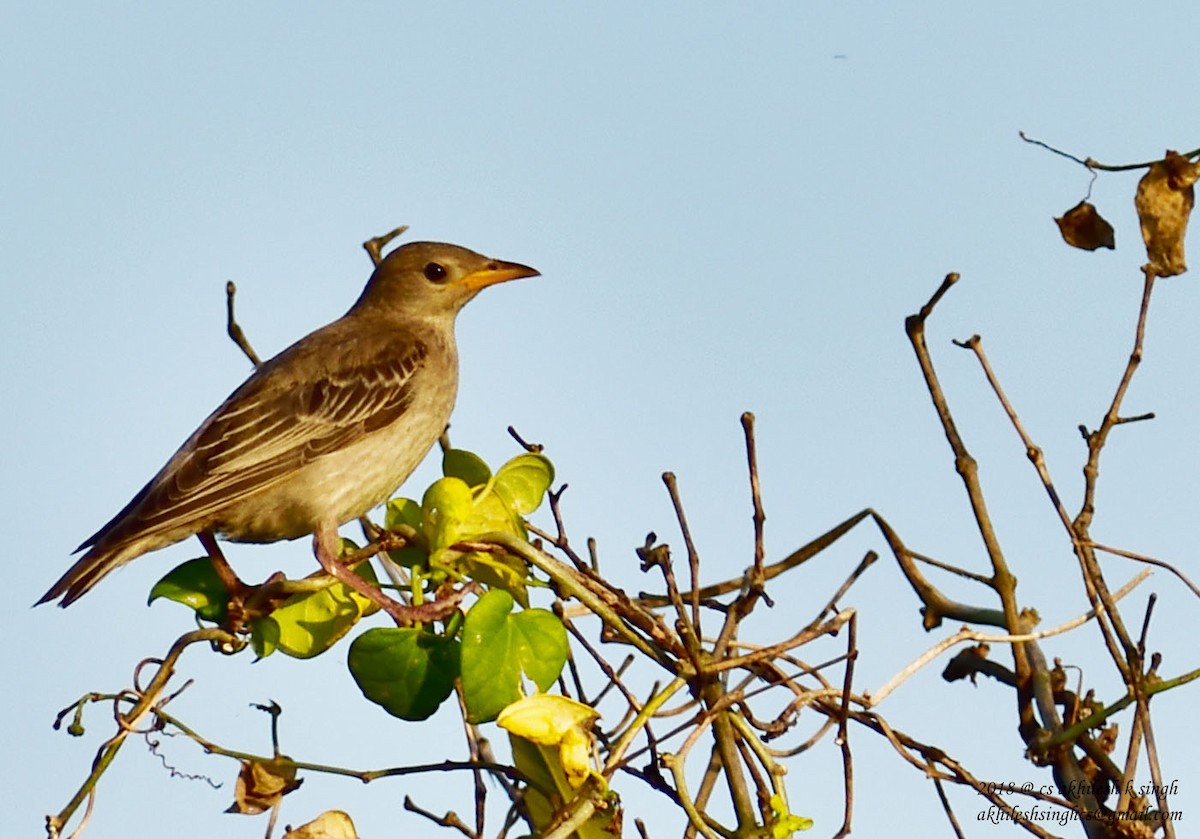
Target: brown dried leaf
1084,228
1164,200
260,785
332,824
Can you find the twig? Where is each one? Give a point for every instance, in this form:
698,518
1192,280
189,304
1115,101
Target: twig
1149,560
831,604
234,330
1156,778
1150,601
1093,164
951,569
1032,450
934,756
374,247
830,627
532,448
144,704
1093,576
937,785
843,738
613,676
965,634
451,818
755,495
693,626
770,572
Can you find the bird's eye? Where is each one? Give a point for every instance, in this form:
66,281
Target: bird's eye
434,272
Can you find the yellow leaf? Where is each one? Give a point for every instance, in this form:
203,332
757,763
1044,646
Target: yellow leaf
575,753
785,823
550,720
546,718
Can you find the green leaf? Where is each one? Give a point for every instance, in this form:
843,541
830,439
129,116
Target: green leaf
497,571
405,511
408,672
498,647
549,790
446,505
491,512
467,466
309,623
194,584
264,637
523,481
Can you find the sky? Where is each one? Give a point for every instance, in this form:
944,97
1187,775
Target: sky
733,207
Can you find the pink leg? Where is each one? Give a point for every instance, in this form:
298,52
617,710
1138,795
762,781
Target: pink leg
226,573
236,588
325,545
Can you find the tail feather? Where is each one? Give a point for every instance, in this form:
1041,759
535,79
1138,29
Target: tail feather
122,539
88,570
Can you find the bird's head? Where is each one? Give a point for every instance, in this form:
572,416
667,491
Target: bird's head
433,278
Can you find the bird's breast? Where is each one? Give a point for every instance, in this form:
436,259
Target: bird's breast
342,485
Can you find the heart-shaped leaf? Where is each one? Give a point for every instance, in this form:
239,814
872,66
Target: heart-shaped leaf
498,648
408,672
194,584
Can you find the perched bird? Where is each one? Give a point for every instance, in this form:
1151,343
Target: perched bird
318,435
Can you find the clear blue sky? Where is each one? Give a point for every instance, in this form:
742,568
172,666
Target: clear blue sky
734,206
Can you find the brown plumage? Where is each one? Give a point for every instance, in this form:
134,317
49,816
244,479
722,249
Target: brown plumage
322,432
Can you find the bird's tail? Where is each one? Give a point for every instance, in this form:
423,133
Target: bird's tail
88,570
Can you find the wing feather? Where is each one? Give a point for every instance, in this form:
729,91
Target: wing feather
265,433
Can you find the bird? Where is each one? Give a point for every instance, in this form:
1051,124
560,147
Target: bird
318,435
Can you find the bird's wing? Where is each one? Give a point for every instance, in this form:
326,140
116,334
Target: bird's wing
265,432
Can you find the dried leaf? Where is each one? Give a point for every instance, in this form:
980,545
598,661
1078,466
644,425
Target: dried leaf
1084,228
1164,200
260,785
332,824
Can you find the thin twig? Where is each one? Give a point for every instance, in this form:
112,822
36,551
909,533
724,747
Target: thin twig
760,517
1149,560
1093,576
374,247
532,448
234,330
843,738
1090,163
451,818
1032,450
144,704
949,811
831,604
964,635
693,556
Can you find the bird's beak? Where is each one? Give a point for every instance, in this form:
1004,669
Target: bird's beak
496,272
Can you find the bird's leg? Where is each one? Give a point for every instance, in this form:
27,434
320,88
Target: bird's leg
229,578
225,572
325,545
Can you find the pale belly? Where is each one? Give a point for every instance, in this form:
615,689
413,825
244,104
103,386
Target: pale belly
340,486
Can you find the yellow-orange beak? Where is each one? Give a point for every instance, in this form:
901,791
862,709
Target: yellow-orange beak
496,272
